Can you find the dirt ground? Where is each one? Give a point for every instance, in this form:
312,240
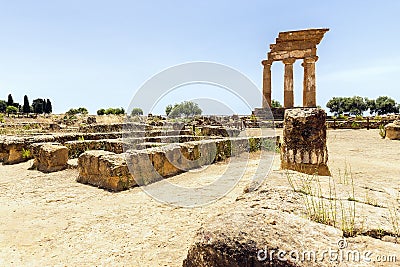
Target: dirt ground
51,220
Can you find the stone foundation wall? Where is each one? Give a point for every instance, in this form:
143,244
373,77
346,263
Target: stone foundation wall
105,170
156,163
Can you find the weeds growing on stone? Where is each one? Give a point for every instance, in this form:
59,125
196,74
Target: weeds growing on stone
324,209
26,153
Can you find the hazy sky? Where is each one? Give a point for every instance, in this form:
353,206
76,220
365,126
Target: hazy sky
96,54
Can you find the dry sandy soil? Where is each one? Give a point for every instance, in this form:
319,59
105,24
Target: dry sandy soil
51,220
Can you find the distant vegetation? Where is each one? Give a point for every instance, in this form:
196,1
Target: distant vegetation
186,108
356,105
136,112
275,104
39,106
75,111
114,111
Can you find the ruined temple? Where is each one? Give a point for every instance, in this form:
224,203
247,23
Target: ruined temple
289,47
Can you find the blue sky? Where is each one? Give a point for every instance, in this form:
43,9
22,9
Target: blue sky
98,53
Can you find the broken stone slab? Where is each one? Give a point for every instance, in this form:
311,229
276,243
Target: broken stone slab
49,157
304,141
105,170
393,130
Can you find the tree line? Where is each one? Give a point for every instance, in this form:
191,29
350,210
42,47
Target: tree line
39,106
357,105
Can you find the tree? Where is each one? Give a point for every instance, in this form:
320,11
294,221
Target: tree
385,105
74,111
26,108
38,105
276,104
48,108
357,105
186,108
168,109
336,105
136,112
101,111
371,105
10,100
114,111
3,106
11,109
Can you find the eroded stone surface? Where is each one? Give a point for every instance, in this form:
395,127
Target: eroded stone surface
393,130
104,169
304,141
274,219
50,157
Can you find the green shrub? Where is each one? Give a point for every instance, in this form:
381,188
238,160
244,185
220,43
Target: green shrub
101,111
26,153
11,109
382,131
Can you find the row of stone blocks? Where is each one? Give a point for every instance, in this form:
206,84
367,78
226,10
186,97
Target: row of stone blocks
117,172
12,148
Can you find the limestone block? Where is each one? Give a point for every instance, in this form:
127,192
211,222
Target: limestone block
105,170
393,130
50,157
304,141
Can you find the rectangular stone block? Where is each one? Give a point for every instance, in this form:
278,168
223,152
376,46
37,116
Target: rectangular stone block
50,157
105,170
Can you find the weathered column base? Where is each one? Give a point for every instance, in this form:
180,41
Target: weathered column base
304,141
319,169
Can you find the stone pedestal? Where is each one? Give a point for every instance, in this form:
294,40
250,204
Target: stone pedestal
393,130
304,141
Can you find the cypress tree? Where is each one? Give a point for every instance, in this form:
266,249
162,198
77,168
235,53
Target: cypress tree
10,100
26,108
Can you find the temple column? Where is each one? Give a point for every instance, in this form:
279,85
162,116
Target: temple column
266,103
288,96
309,83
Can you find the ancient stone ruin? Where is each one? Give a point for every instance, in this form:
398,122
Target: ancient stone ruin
304,141
49,157
393,130
289,47
104,153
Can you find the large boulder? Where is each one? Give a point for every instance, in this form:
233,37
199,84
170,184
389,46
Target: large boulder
105,169
50,157
393,130
268,227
